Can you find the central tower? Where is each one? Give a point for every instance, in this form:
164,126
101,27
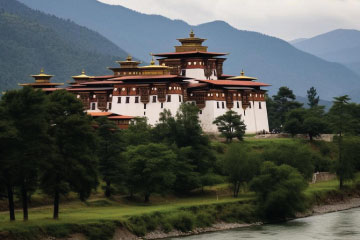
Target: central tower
191,59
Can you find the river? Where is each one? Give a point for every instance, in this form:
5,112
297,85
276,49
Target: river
342,225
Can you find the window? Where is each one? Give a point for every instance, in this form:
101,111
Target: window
162,105
144,113
93,106
223,105
217,104
237,105
144,105
154,99
259,105
127,99
249,104
179,98
183,72
200,112
119,99
136,99
244,113
110,105
169,98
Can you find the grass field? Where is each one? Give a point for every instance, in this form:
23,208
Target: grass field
100,209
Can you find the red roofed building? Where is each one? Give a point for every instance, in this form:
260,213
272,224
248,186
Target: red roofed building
191,74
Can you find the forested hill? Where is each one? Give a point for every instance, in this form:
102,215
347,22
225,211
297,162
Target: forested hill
270,59
30,40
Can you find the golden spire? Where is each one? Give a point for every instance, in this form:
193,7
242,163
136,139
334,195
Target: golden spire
152,60
242,72
41,70
192,34
129,58
83,72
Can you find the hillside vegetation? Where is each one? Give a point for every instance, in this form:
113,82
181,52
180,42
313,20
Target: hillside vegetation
31,40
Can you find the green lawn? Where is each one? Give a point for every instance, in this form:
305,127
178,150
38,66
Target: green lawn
77,212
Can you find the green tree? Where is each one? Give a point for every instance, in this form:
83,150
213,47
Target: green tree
139,132
306,121
151,168
26,110
280,105
294,121
313,98
279,191
241,165
341,122
314,126
296,155
8,137
72,166
230,125
183,133
112,165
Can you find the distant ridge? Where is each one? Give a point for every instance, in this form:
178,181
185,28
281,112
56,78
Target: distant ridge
270,59
30,40
341,45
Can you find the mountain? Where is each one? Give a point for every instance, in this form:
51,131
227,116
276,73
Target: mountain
322,102
341,45
30,40
297,40
270,59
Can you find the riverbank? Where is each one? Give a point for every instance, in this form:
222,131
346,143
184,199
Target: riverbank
345,204
115,219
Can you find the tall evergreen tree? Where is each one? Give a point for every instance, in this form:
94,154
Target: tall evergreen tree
26,109
283,102
72,164
8,136
112,165
313,98
341,122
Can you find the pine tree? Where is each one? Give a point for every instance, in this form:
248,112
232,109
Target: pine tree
313,99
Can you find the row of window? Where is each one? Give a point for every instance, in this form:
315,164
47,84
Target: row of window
237,105
154,99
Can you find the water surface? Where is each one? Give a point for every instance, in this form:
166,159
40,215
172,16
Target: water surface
344,225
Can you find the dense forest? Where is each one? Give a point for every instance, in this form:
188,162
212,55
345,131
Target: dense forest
31,40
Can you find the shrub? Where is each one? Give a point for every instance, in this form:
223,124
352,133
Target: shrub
183,221
279,191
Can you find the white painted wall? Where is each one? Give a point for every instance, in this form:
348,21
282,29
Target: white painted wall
255,119
198,73
152,110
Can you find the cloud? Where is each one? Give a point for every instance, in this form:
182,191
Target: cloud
288,19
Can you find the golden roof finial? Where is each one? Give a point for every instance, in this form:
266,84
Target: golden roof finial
129,58
192,34
83,72
242,72
42,70
152,60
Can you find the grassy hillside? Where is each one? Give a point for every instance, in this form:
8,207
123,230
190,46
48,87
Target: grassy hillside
31,40
270,59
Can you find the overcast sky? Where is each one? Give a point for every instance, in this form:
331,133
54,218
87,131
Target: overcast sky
287,19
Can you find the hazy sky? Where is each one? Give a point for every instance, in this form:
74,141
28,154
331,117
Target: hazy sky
287,19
